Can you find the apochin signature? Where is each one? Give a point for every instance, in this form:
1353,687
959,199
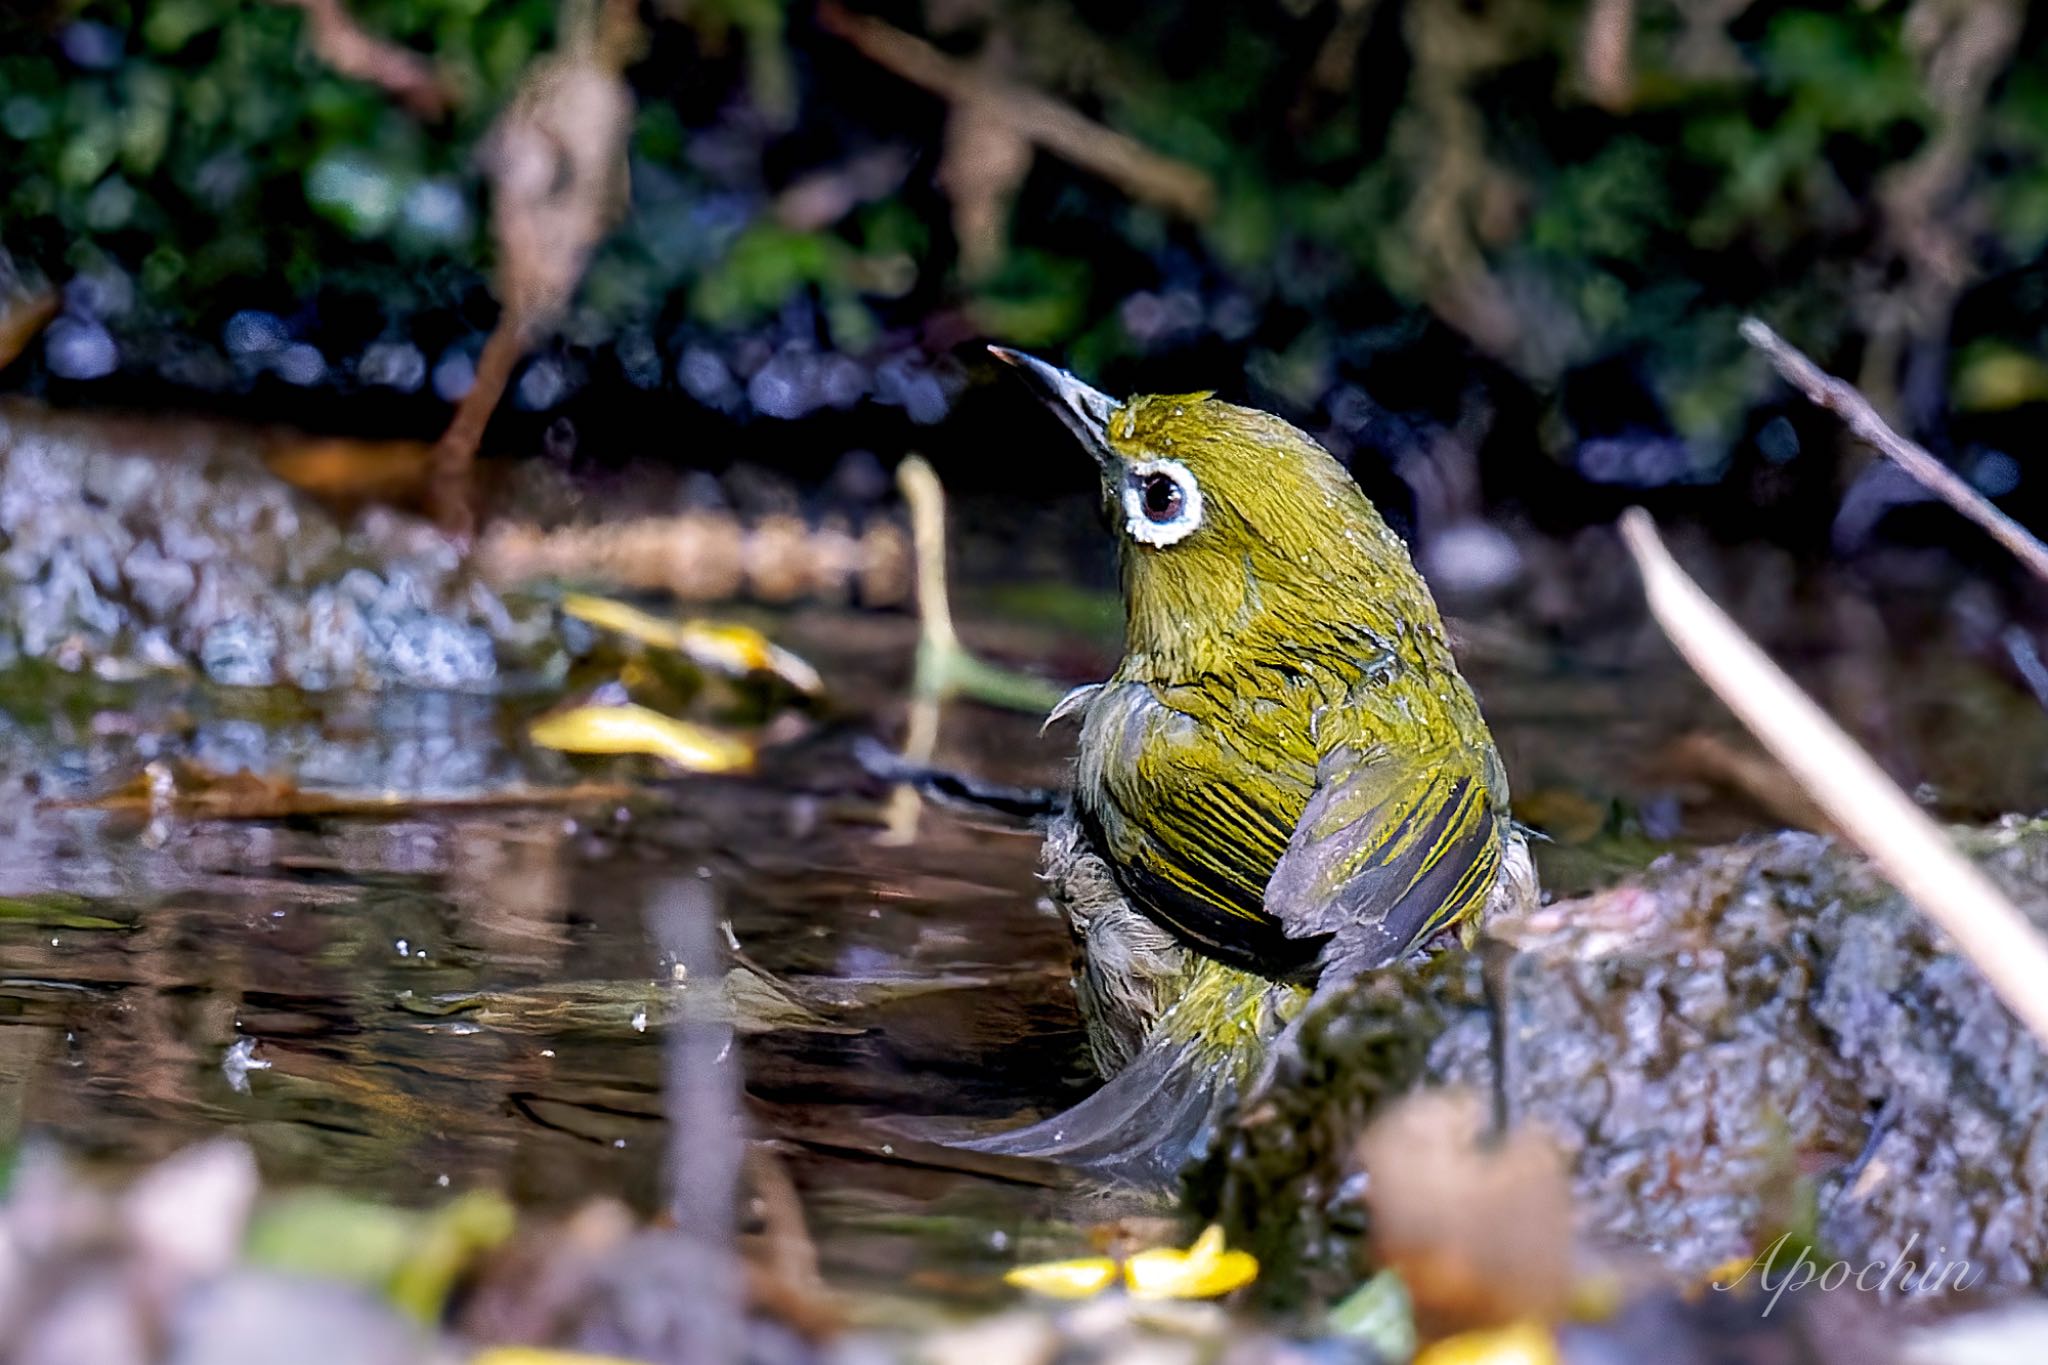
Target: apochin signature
1902,1274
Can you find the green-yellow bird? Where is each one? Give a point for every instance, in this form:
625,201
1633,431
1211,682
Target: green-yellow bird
1285,783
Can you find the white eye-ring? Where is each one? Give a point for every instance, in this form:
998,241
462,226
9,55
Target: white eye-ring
1162,502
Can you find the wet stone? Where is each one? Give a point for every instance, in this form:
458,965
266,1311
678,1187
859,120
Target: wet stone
1740,1025
130,548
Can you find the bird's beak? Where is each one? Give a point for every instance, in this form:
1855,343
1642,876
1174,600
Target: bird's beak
1084,410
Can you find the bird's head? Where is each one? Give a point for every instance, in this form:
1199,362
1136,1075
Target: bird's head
1228,520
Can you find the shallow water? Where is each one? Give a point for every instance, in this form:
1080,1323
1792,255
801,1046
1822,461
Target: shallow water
448,998
445,997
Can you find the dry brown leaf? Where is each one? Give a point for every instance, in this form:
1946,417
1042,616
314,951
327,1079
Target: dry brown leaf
556,159
1479,1231
23,315
984,163
345,471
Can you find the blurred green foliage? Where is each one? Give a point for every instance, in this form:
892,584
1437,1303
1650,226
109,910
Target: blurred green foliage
1381,168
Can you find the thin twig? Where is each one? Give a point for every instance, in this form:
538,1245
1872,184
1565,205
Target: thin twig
1906,846
782,1275
1763,780
1841,398
1124,161
449,466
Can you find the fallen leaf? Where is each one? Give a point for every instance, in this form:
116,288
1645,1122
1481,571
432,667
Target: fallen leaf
1479,1228
1524,1343
542,1355
723,647
1379,1313
1205,1270
1078,1279
347,471
23,314
631,729
415,1257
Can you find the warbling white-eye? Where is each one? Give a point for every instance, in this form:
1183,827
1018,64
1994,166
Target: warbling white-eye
1285,783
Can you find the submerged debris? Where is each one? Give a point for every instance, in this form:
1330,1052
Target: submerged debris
167,789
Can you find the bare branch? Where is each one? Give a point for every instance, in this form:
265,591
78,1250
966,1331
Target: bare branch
1141,172
556,158
1906,846
1841,398
354,52
1608,57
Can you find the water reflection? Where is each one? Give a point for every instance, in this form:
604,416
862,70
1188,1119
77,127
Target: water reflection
448,998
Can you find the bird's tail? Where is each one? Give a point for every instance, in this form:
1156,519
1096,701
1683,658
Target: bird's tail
1143,1126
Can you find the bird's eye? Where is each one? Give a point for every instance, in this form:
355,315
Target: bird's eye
1162,502
1162,498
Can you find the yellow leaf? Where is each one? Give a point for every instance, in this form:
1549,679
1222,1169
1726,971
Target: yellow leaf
1993,378
1079,1279
1205,1270
638,730
620,619
1524,1343
722,647
742,650
540,1355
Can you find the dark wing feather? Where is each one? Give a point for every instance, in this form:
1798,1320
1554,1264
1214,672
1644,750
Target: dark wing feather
1387,852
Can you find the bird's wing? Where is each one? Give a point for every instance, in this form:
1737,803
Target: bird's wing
1191,840
1389,850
